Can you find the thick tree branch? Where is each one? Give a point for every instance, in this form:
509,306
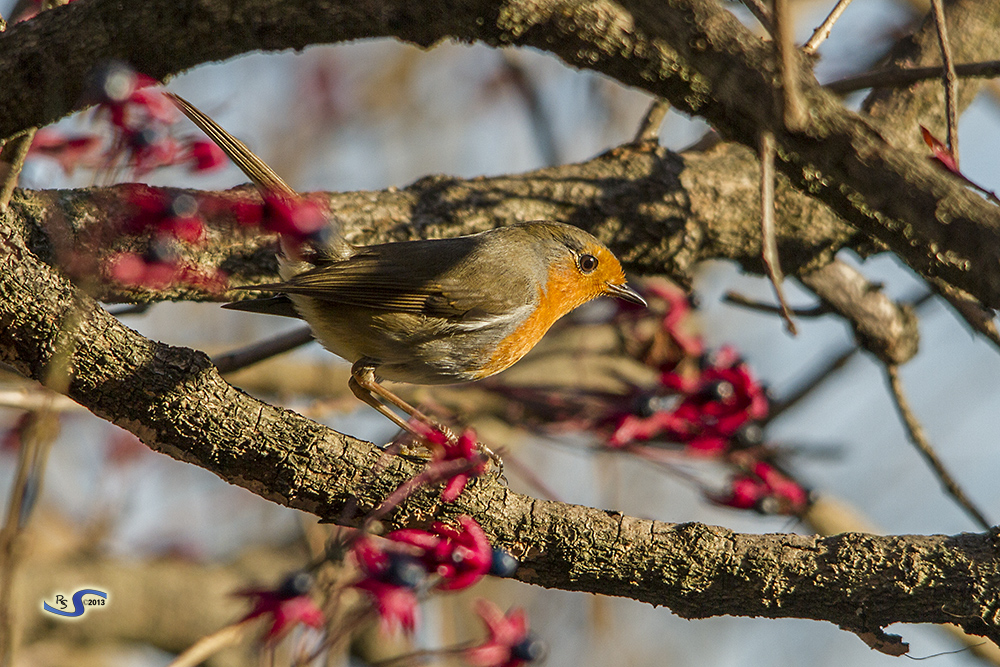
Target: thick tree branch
175,401
661,212
691,52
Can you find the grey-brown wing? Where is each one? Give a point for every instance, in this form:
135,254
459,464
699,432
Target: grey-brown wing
436,278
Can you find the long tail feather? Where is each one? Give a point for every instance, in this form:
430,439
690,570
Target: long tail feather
266,180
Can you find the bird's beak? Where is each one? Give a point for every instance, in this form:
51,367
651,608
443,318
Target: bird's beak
625,293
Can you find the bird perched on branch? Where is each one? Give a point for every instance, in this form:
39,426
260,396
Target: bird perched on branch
433,311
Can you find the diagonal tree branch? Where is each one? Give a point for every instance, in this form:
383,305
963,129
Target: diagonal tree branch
691,52
175,401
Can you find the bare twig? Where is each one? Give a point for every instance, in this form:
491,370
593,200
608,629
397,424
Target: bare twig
950,78
817,378
839,360
649,128
761,12
211,644
38,399
919,438
793,106
36,438
769,245
11,161
265,349
823,31
895,77
541,123
970,309
744,301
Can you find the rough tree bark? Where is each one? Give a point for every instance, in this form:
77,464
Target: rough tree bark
663,212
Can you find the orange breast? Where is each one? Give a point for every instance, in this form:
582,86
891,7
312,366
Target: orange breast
565,292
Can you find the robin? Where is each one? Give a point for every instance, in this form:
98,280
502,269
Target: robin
433,311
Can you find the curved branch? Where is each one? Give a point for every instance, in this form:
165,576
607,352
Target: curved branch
176,402
691,52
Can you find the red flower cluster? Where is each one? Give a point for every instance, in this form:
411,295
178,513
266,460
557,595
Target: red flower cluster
140,120
443,449
509,643
288,605
394,568
169,219
297,219
765,489
707,411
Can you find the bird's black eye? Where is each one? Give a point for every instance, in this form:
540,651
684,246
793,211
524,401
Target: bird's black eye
587,263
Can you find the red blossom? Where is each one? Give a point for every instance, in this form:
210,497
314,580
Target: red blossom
396,605
174,216
460,555
765,489
940,152
444,448
202,155
713,405
674,321
133,270
297,218
508,644
288,605
391,577
69,151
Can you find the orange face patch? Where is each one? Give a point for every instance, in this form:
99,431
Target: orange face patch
566,289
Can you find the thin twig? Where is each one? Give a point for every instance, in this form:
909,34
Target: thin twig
211,644
823,31
37,437
894,77
761,12
541,123
769,244
11,162
793,107
38,399
950,78
649,128
130,309
817,378
265,349
828,368
919,438
743,301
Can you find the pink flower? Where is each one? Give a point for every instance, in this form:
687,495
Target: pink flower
288,605
391,578
203,155
69,151
764,489
444,449
460,555
712,407
298,218
509,643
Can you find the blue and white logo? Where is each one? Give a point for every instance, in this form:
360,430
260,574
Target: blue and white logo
81,603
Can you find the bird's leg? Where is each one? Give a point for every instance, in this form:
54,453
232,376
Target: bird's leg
367,388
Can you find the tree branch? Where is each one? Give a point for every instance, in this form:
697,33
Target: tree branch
691,52
175,401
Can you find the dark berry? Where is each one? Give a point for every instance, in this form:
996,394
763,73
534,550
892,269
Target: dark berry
503,564
296,584
529,649
405,570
